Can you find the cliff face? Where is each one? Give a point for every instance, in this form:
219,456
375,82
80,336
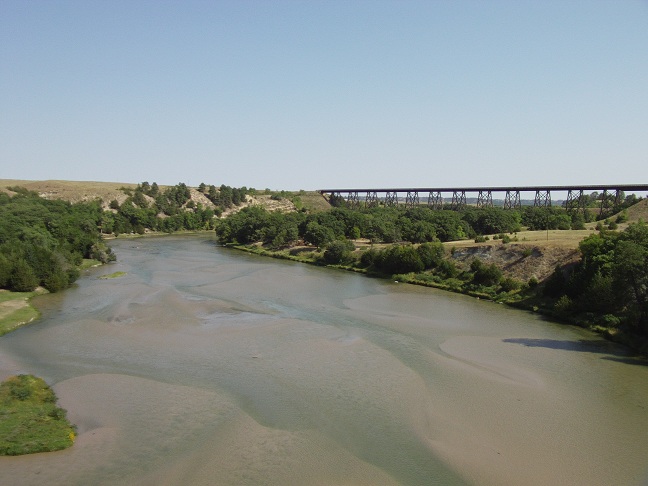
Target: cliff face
519,261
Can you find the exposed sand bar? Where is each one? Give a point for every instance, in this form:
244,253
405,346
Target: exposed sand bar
203,366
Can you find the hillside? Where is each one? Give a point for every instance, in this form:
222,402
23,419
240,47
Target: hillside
77,191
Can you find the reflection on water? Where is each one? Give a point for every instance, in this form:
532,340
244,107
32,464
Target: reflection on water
207,366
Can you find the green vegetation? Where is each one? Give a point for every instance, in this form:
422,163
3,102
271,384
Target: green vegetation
113,275
15,310
149,208
30,421
44,242
606,291
609,286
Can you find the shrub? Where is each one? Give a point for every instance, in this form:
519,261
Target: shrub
447,268
508,284
622,217
399,259
338,251
563,304
486,275
431,254
368,258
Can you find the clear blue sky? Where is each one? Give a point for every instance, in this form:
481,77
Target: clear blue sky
319,94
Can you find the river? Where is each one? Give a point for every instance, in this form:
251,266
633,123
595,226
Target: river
205,366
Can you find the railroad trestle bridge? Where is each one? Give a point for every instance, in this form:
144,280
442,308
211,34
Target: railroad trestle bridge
455,198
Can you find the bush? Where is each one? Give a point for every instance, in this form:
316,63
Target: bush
431,254
486,275
338,251
509,284
368,258
447,268
578,221
399,259
563,304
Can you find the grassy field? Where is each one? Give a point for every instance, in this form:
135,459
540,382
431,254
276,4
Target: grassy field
15,310
30,421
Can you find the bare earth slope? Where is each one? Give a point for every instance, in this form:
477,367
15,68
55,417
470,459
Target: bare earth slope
77,191
73,191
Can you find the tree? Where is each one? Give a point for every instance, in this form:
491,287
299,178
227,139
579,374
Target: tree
631,272
317,234
23,278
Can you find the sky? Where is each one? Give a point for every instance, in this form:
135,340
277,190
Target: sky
288,94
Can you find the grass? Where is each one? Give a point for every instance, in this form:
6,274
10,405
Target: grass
113,275
89,263
30,420
15,310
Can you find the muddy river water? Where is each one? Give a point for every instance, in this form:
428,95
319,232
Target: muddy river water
207,366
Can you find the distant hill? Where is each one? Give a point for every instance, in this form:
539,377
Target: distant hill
78,191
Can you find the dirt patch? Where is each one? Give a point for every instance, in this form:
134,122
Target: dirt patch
518,261
9,307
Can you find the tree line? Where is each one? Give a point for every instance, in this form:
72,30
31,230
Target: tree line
387,224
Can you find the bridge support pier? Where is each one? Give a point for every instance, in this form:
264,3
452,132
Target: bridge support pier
353,200
512,200
371,200
610,203
485,199
435,201
575,204
458,200
542,198
391,198
412,199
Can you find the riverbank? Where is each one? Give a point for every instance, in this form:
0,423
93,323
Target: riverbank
16,310
522,295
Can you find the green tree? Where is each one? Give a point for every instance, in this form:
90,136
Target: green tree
23,278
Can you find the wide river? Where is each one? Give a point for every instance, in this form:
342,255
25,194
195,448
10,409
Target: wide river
207,366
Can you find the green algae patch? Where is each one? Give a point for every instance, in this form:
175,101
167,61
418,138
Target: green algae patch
112,275
30,420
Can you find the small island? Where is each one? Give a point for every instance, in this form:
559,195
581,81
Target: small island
30,420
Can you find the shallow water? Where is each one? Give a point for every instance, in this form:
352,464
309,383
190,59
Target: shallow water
209,366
